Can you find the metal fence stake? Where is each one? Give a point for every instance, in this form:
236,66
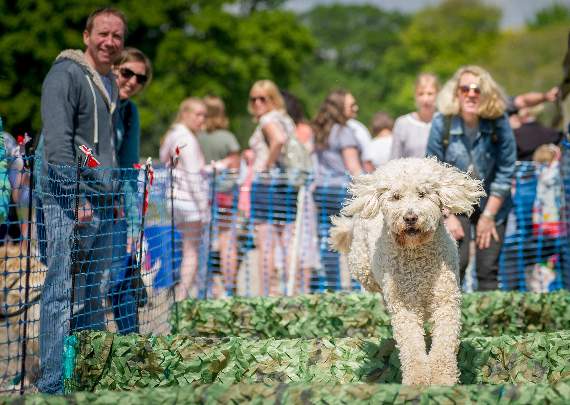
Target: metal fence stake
75,253
211,229
173,162
141,233
27,277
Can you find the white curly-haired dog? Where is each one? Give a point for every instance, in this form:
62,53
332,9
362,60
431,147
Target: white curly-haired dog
393,231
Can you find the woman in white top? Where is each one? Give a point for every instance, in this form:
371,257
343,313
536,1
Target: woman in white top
411,131
181,150
273,201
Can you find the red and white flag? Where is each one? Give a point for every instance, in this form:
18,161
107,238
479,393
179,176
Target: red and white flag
148,166
23,140
90,160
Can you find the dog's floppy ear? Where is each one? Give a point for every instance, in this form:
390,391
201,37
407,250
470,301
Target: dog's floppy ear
458,192
365,190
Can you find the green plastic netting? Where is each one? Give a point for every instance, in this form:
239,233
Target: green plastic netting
107,361
317,393
363,315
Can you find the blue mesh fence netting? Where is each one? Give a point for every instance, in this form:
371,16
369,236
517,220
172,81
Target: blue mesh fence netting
74,236
535,254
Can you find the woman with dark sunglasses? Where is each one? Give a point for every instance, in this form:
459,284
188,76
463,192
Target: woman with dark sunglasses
472,132
133,72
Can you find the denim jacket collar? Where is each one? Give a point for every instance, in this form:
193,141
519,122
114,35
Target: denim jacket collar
456,126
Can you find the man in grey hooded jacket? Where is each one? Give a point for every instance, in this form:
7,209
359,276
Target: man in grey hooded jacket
79,96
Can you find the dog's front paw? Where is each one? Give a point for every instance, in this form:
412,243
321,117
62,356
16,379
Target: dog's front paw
416,374
444,371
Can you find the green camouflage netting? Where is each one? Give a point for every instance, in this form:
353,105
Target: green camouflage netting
363,315
303,393
107,361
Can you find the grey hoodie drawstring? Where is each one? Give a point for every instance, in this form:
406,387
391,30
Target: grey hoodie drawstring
96,125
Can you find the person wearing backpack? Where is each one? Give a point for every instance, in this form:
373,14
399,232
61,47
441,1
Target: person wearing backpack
280,166
472,132
337,151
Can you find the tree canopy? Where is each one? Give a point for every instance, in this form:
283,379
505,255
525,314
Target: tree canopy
198,47
221,47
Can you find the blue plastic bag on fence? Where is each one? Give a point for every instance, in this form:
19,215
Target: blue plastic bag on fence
160,255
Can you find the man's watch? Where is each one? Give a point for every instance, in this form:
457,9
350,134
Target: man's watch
488,214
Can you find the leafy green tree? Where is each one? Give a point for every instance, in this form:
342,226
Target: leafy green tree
34,32
530,60
223,54
197,47
454,33
439,39
525,61
351,44
552,15
377,54
354,38
250,6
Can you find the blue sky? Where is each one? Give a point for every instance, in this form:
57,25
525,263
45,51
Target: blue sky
515,12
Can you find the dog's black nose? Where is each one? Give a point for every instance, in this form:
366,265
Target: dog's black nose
410,218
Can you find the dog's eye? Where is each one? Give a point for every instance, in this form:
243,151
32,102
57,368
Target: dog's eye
396,196
422,194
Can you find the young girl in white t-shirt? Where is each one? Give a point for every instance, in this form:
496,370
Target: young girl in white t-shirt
378,151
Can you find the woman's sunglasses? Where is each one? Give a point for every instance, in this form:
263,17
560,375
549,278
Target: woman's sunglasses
466,89
253,99
128,73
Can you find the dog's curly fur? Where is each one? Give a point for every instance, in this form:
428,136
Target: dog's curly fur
393,232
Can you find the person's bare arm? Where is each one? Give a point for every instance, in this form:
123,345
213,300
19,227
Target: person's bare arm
454,227
231,161
275,138
486,228
533,98
351,158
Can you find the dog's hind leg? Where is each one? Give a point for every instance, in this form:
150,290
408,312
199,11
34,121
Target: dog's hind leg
446,319
409,335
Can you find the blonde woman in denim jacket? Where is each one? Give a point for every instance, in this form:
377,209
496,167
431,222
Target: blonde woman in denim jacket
472,132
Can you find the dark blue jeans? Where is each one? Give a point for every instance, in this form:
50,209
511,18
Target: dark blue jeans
93,259
121,295
328,201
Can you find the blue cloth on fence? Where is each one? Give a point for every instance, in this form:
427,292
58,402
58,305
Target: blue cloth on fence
526,255
274,201
328,201
159,252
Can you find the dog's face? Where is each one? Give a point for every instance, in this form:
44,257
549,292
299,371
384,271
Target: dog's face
412,195
411,212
